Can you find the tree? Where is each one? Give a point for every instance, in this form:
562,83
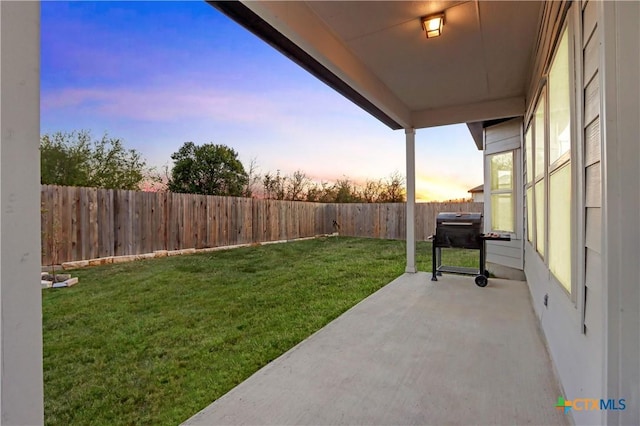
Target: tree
274,186
253,179
346,191
393,190
297,186
372,190
322,193
292,188
208,169
74,159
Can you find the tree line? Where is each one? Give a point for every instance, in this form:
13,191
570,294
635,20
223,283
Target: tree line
77,159
299,187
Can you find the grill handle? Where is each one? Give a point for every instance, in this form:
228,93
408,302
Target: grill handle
457,223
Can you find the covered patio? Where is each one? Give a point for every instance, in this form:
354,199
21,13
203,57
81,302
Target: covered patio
415,352
376,54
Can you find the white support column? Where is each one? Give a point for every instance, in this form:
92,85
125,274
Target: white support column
411,200
21,393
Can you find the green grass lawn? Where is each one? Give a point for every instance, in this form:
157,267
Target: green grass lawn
155,341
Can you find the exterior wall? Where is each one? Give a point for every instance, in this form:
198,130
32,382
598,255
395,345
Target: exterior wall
21,395
504,137
477,197
573,324
577,357
619,35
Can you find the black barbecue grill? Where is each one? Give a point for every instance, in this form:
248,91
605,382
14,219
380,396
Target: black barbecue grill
461,230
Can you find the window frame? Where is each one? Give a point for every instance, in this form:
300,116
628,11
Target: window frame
540,178
511,191
565,157
564,160
528,184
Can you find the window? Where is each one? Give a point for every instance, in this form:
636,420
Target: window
528,143
559,108
548,168
559,87
530,228
560,225
539,137
539,142
538,194
502,195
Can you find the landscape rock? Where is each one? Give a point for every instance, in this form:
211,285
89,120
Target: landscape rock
122,259
100,261
76,264
61,284
181,252
55,278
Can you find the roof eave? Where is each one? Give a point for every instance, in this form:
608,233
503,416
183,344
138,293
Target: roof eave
250,20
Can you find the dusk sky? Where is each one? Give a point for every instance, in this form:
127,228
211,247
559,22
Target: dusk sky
158,74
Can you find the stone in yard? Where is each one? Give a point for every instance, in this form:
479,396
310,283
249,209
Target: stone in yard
56,278
122,259
60,283
181,252
99,261
78,264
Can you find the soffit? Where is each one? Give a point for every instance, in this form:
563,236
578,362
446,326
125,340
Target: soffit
477,70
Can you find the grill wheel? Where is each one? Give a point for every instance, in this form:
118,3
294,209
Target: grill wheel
481,281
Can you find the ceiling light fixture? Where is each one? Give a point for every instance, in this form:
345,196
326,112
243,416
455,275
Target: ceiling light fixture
433,24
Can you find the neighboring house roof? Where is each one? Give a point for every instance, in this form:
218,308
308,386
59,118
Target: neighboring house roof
479,188
378,56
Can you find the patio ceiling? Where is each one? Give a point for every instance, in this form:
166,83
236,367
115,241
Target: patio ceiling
376,54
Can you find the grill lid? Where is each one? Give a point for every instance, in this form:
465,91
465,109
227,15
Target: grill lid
458,219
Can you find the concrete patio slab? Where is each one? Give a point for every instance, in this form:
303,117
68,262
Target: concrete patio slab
416,352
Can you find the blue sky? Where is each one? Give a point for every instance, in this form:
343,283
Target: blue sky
157,74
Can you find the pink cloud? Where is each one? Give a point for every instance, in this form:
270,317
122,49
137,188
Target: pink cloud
275,109
163,104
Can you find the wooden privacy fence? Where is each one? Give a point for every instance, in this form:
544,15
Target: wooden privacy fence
388,220
88,223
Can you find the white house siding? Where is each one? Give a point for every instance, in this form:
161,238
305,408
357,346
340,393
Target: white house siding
573,324
619,36
591,257
505,137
